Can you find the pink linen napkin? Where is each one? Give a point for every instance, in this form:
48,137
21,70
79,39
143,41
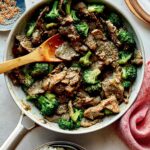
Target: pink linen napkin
134,126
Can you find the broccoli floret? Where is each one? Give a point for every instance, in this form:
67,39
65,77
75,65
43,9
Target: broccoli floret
48,104
96,8
40,69
82,29
50,96
28,80
25,78
51,25
73,122
115,19
32,98
77,115
129,72
125,37
31,29
107,112
68,6
65,124
124,57
93,88
126,84
85,60
90,76
54,13
74,16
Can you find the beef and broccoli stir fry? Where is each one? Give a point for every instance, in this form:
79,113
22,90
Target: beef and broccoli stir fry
100,61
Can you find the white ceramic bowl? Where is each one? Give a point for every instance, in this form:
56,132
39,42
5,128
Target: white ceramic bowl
34,114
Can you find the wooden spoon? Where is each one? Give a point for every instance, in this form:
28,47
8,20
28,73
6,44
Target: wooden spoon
44,53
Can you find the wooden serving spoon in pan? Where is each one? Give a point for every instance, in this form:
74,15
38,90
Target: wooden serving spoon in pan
44,53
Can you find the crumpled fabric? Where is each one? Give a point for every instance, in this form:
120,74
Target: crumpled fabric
134,126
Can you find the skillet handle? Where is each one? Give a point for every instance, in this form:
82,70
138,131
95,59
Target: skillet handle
17,135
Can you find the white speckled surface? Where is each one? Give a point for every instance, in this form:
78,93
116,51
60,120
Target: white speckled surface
9,113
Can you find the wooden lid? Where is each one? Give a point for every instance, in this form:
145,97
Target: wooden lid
138,11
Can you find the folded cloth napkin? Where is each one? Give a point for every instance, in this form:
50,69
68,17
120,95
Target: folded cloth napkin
135,124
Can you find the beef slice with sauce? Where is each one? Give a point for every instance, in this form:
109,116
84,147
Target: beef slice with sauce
66,52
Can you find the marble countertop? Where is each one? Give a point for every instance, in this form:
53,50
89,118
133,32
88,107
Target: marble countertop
9,112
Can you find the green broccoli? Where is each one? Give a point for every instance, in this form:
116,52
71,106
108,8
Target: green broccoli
92,89
129,72
107,112
77,115
32,98
126,84
68,6
40,69
115,19
66,124
90,76
85,60
54,13
31,29
28,80
51,25
25,77
96,8
124,57
82,28
125,37
70,124
48,104
74,16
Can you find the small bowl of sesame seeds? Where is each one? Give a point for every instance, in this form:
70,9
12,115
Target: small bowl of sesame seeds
10,11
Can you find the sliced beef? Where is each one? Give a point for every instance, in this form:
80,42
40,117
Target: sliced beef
112,87
40,23
66,52
47,83
69,84
59,88
79,47
82,8
60,7
98,35
108,53
72,80
95,111
16,76
98,65
59,68
49,33
62,109
25,43
63,98
84,100
69,32
87,123
113,33
138,59
36,37
66,20
90,42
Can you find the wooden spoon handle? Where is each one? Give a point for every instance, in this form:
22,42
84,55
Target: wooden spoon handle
20,61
